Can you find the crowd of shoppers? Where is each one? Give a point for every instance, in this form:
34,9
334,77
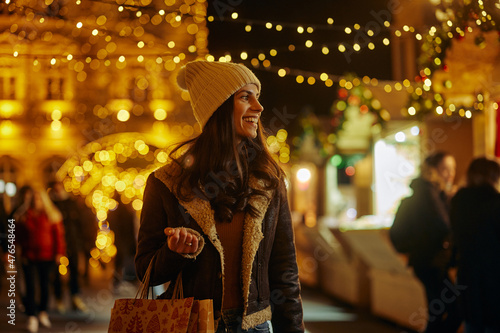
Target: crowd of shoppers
50,225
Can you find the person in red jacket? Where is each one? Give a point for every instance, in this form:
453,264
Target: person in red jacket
41,237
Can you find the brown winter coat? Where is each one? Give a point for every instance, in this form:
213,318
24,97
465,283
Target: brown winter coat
269,276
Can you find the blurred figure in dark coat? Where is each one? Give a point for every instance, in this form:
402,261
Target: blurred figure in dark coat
74,230
122,222
428,211
475,221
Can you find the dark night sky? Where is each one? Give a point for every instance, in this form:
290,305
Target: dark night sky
227,35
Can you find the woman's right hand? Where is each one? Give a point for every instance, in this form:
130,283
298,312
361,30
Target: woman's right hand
182,241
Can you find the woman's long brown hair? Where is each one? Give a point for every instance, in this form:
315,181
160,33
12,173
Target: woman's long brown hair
217,168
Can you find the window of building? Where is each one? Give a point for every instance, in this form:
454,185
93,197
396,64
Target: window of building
55,87
7,87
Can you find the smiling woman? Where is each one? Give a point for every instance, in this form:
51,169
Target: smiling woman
217,212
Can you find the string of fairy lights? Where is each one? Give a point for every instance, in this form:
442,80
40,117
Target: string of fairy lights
258,58
98,172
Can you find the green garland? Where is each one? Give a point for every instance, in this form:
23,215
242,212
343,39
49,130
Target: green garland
462,14
324,130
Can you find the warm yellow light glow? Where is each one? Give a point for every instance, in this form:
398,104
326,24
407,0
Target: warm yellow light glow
7,128
273,52
309,43
329,20
121,59
325,50
63,270
347,30
120,186
55,125
234,16
299,79
79,25
269,25
160,114
161,12
53,61
16,54
411,111
248,28
279,27
244,55
310,30
56,114
171,44
386,41
123,115
137,204
300,29
323,76
311,80
140,44
140,58
281,72
356,47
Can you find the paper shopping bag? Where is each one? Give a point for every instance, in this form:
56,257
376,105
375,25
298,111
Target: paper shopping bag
202,317
151,316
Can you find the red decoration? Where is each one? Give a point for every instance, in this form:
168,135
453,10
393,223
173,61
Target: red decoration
343,93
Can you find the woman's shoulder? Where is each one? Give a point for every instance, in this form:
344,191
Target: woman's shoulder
166,174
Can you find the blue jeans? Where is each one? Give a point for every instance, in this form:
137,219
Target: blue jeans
231,323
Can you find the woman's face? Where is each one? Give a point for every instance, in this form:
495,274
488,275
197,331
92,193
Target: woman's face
37,201
446,169
247,111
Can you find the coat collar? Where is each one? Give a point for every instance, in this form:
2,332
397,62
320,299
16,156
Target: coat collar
201,211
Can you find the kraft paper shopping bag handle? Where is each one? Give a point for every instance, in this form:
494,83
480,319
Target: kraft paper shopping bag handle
144,288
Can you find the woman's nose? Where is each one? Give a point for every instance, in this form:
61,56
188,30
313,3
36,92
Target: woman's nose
258,107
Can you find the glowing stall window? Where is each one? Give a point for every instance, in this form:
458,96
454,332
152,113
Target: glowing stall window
396,163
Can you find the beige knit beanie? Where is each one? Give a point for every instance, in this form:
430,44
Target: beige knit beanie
210,84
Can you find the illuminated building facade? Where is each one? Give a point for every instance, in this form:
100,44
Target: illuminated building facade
79,80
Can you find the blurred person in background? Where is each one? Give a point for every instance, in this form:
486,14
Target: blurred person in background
122,223
21,201
3,238
73,231
40,235
475,222
424,232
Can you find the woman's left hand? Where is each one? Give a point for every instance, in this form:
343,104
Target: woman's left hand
182,241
